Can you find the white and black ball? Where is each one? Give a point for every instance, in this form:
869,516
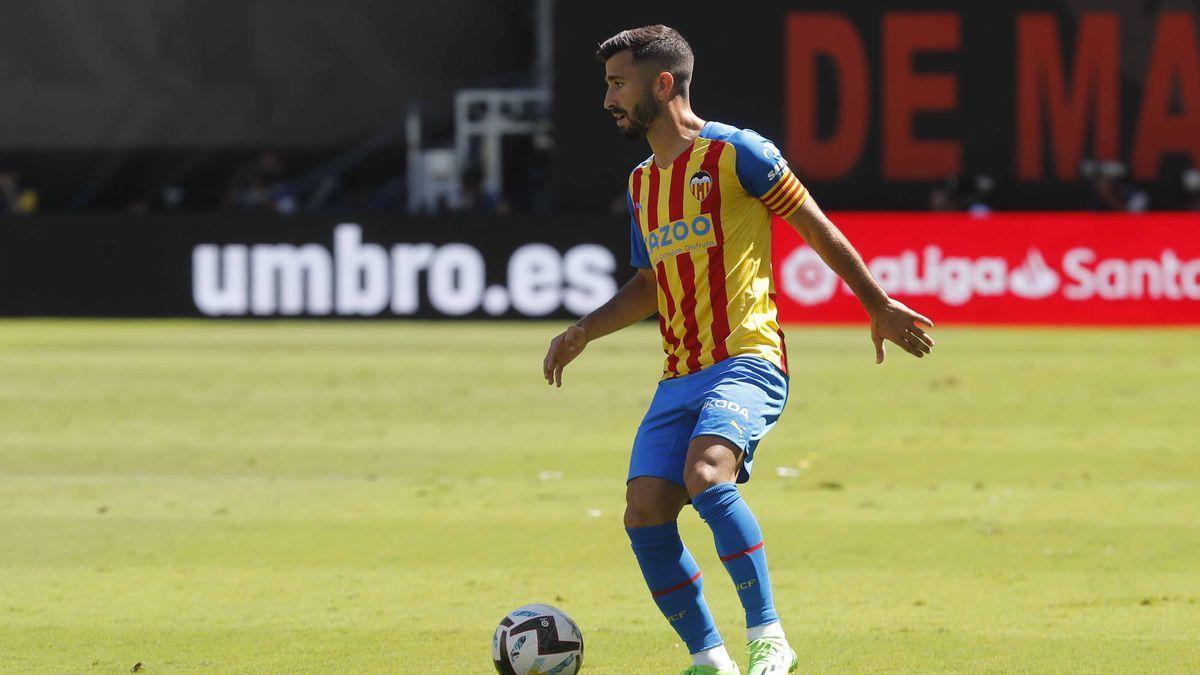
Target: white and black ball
537,640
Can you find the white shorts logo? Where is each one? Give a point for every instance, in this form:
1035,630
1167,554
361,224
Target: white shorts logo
732,407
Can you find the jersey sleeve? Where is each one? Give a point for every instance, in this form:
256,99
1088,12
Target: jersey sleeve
764,173
637,244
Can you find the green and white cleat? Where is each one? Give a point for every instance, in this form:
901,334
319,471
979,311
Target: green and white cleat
709,670
771,656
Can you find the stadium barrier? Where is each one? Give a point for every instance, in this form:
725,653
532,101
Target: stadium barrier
1009,268
311,267
1024,268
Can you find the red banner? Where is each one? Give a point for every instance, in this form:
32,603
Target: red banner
1010,268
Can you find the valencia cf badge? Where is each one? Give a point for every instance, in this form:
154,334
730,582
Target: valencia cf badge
701,184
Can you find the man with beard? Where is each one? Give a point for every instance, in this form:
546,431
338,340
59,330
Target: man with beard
700,233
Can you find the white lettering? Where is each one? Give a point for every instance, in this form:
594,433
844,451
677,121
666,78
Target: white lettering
909,281
354,277
219,279
1145,278
887,272
990,276
456,279
408,260
1189,274
928,284
1167,278
1171,275
955,281
535,279
278,273
731,406
1075,267
588,269
1112,279
362,272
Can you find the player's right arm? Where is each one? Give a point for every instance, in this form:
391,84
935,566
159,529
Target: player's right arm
636,300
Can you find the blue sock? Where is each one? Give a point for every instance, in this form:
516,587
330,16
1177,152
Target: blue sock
740,547
674,581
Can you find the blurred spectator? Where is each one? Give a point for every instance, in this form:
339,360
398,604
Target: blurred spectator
258,187
1191,189
389,196
943,197
476,200
962,193
16,197
1109,188
170,198
619,206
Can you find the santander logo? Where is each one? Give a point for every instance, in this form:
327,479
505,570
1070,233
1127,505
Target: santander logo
1081,274
1033,279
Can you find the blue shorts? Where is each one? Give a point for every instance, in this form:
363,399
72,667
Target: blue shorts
738,399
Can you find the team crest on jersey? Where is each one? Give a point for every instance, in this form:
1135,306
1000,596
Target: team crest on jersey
701,184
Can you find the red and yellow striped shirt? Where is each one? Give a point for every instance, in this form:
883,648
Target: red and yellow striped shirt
703,224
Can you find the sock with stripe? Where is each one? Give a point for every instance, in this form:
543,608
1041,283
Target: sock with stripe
675,584
740,546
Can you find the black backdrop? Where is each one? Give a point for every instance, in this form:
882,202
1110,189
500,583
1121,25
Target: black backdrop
740,80
426,268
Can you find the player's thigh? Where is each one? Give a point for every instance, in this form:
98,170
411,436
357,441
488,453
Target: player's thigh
661,442
650,500
710,460
740,405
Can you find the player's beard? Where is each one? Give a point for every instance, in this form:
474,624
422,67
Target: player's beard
642,116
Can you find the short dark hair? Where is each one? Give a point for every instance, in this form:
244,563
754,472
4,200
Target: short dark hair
659,45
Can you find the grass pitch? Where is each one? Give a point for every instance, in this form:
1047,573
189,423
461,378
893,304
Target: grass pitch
316,497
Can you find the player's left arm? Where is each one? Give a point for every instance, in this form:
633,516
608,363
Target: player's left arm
890,318
764,173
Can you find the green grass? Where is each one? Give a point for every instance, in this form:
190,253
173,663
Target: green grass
366,497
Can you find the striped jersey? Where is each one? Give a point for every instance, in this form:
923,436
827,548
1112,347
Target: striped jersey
703,224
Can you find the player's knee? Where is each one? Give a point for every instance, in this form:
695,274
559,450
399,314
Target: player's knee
643,514
638,517
702,474
711,460
645,507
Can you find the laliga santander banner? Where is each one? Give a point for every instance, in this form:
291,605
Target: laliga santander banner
1014,268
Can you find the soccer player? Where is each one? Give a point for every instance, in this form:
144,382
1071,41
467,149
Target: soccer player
701,209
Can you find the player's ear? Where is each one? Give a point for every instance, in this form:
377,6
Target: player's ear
663,85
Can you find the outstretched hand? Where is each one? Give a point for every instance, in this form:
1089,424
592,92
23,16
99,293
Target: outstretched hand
563,349
896,322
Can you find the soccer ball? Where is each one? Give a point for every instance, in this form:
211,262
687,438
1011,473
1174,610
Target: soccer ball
537,640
